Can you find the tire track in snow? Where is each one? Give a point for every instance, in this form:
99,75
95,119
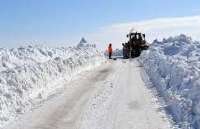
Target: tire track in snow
123,102
110,98
63,111
136,109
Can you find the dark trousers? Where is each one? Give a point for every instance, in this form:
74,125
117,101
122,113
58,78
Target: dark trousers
110,54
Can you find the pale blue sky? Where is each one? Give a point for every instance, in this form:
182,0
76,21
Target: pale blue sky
65,21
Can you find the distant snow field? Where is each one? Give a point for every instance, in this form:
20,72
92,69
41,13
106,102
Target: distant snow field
30,74
174,69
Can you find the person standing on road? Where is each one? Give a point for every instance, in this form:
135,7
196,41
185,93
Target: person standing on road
110,50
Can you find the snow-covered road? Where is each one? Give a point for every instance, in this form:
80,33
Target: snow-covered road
113,96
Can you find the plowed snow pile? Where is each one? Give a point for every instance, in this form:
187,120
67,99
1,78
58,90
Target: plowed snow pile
173,66
30,74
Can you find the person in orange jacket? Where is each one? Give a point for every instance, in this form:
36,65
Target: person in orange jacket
110,50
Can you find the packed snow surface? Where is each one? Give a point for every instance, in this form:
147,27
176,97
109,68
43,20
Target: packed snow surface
173,67
30,74
111,96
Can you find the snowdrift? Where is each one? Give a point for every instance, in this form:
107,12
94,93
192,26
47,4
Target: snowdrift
174,69
30,74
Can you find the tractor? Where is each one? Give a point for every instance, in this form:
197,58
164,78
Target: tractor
135,45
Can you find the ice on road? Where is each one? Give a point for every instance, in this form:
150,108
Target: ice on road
113,96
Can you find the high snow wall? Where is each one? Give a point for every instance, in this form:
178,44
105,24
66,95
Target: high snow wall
173,66
30,74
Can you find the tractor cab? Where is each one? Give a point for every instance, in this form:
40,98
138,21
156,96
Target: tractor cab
135,45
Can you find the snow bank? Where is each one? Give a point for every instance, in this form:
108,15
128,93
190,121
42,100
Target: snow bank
173,67
30,74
